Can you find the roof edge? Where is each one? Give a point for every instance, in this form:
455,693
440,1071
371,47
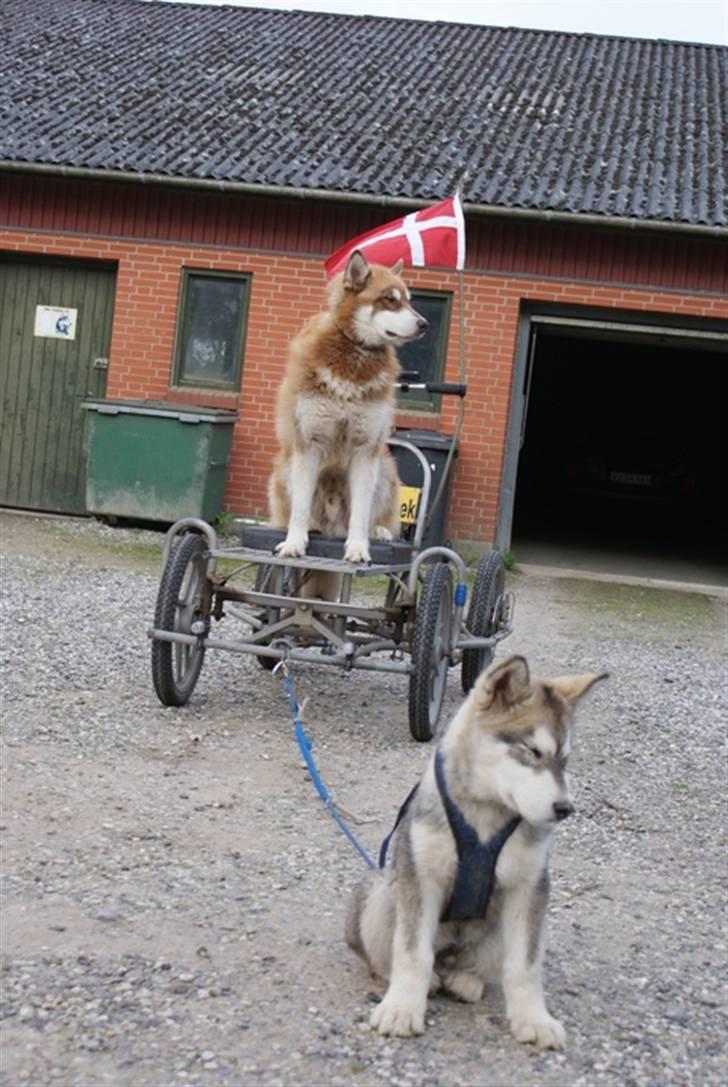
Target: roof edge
372,199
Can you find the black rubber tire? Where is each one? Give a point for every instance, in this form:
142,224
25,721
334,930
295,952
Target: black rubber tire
180,603
430,652
261,576
484,614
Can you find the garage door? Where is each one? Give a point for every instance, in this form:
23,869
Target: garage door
55,331
617,427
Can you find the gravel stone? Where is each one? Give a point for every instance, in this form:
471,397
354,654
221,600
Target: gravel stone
174,893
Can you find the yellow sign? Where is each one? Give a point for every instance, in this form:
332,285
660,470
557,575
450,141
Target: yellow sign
409,500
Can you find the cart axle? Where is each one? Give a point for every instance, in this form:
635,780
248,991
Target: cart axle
338,660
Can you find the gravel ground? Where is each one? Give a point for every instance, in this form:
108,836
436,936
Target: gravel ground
174,893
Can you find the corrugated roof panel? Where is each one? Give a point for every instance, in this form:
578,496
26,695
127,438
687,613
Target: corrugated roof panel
530,119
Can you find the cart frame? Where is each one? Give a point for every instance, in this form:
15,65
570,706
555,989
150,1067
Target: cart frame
284,623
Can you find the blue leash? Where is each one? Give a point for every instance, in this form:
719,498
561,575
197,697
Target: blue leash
306,745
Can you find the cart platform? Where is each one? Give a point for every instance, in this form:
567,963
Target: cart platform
385,556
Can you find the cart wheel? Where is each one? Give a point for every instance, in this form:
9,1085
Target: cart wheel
430,652
182,600
262,573
484,614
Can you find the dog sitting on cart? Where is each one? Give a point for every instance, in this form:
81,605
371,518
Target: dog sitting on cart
338,393
423,627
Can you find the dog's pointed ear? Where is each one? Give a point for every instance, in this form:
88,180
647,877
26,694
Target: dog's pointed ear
357,273
572,688
397,268
507,683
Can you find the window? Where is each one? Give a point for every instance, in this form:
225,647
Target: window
209,348
427,355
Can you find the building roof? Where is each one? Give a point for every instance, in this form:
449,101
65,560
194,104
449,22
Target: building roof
548,121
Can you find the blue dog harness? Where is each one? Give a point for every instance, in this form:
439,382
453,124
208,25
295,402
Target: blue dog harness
475,877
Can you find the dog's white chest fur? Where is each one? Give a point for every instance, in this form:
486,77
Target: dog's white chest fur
336,421
352,391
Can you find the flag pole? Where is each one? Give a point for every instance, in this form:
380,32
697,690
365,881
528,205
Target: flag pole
461,371
461,308
461,293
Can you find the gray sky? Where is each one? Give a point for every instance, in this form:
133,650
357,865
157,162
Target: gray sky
675,20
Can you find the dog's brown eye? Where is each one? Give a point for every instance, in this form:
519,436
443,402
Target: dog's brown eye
536,752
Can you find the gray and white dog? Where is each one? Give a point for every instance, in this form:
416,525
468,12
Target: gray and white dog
463,900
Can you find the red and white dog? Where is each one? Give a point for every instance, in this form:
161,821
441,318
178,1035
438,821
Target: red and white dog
334,473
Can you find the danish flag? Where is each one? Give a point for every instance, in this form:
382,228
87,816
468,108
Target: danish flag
433,236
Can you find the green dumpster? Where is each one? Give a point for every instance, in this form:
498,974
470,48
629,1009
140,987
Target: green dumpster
156,461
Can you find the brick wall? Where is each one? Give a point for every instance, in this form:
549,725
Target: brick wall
288,289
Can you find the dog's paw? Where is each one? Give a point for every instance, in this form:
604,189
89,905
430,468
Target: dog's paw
400,1020
466,987
382,534
545,1033
356,551
293,547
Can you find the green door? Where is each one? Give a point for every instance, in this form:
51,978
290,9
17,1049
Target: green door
55,331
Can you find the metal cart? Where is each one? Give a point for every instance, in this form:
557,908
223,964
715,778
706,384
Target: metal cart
419,630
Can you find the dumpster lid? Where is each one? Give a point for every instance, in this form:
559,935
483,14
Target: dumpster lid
185,413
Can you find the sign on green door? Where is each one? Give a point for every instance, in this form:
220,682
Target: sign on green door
55,331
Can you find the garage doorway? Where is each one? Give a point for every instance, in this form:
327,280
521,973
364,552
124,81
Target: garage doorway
622,445
55,331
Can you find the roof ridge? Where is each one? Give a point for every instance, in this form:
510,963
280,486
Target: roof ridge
428,22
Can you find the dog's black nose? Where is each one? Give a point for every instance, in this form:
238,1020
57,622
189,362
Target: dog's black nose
422,325
562,808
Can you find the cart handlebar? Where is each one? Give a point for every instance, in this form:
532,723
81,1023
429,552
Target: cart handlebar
409,381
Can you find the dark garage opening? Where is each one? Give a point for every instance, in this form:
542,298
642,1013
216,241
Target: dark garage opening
622,464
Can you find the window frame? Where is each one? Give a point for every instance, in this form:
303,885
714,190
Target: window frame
419,400
178,378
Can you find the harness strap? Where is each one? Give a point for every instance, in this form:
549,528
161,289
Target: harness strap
477,860
475,877
400,816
